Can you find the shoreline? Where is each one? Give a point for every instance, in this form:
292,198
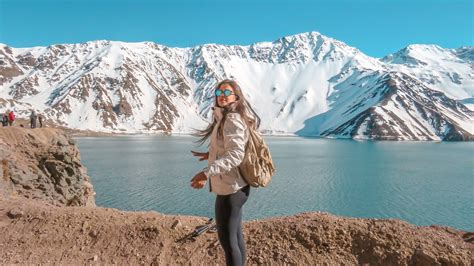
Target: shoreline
93,134
76,133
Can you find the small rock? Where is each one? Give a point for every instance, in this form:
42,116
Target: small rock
84,226
215,244
95,258
62,142
27,187
15,213
421,257
176,224
94,233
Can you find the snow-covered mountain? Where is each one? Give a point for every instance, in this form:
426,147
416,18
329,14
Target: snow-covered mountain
447,70
307,84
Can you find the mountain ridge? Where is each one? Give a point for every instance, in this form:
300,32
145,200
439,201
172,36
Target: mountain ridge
113,86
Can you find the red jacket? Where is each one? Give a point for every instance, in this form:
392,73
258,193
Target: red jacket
11,116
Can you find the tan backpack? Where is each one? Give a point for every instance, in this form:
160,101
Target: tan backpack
257,167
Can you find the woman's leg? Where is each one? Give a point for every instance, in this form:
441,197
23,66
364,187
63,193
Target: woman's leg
241,242
227,231
240,233
228,220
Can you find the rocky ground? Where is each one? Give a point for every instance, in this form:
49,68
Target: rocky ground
44,230
40,233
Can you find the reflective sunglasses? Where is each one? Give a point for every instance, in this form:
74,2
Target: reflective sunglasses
226,92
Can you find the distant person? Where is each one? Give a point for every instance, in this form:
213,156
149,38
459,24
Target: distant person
11,118
40,119
232,116
33,118
5,119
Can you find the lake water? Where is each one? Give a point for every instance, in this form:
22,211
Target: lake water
423,183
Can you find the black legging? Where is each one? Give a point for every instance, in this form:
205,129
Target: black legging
229,225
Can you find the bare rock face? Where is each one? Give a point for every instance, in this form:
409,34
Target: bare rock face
44,164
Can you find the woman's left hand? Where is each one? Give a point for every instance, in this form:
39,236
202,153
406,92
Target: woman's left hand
199,180
202,155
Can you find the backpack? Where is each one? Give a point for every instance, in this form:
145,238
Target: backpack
11,116
257,167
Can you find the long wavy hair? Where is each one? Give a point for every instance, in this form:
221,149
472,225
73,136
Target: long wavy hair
241,106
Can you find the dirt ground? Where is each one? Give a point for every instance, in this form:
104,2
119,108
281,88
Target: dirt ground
35,232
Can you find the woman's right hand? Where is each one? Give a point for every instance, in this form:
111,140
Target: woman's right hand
202,155
199,180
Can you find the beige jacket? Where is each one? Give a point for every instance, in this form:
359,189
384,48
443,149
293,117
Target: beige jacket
226,153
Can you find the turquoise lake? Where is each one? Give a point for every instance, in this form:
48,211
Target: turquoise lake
422,183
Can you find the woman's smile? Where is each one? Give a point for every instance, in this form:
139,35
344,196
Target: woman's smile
222,100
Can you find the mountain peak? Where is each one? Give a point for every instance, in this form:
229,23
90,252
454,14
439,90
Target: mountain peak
309,36
413,47
419,54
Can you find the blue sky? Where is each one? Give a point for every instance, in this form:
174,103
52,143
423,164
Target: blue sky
376,27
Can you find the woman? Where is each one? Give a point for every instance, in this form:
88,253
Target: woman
228,135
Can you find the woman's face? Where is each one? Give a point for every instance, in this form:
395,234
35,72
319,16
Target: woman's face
222,99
